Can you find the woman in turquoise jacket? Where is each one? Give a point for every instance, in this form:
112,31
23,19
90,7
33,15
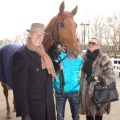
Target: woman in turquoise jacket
67,85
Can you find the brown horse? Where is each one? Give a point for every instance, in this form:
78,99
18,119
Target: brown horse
62,30
6,53
5,91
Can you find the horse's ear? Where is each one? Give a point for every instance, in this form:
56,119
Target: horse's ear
74,11
61,8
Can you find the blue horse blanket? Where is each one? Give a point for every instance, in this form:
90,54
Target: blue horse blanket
6,55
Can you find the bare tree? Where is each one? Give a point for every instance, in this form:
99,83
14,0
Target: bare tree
107,30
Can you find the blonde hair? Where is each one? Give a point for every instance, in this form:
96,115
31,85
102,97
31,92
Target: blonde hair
96,39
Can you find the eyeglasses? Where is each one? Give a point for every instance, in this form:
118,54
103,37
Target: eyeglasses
92,43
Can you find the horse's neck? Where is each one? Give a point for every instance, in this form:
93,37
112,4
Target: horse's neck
49,39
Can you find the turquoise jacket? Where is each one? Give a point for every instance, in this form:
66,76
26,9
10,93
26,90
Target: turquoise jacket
71,70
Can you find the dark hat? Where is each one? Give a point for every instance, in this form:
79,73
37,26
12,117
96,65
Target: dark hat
37,27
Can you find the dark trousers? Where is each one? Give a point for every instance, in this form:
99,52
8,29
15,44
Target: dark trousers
97,117
74,100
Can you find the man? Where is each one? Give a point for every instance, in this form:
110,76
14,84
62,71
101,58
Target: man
32,78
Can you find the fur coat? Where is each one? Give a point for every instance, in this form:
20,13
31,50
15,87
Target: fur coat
102,68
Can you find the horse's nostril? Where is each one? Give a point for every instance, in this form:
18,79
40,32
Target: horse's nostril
61,24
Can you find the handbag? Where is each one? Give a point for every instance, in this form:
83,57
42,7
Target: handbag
104,94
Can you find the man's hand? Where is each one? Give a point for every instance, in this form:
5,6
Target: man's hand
26,117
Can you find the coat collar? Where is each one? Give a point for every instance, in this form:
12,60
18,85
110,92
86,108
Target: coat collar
34,56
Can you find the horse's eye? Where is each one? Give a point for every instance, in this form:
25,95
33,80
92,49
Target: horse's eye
61,24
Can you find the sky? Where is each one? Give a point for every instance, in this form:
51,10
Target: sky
17,15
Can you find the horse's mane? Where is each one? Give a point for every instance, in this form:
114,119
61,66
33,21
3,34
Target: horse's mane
48,39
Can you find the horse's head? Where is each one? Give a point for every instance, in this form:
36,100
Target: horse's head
62,30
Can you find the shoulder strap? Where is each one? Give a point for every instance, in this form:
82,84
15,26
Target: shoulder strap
61,60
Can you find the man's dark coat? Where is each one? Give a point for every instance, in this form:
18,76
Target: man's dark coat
32,86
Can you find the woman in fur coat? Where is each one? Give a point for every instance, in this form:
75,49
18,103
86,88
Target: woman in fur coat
97,67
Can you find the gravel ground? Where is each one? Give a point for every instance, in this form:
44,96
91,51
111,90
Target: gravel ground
114,115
